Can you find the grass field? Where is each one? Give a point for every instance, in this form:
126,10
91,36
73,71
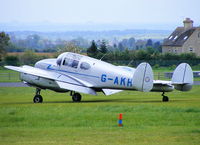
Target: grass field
58,121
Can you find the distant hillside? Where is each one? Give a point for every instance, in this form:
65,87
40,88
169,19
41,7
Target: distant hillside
90,35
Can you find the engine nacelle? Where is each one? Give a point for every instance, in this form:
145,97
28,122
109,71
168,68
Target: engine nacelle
40,82
183,87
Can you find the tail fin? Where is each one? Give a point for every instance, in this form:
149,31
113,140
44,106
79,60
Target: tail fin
143,77
182,77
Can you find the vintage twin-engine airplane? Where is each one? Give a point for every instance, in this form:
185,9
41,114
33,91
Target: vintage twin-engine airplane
78,73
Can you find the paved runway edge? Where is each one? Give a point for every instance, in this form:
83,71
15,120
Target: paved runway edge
13,84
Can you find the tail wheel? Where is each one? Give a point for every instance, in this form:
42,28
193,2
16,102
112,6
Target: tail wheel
76,97
38,99
165,98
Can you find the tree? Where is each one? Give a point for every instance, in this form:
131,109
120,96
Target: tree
124,43
29,57
121,47
69,47
92,50
115,46
4,42
11,60
157,46
32,41
103,47
149,43
131,43
151,50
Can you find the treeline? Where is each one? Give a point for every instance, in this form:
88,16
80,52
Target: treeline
29,57
39,44
127,57
134,57
149,54
103,51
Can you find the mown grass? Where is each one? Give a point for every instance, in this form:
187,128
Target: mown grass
93,121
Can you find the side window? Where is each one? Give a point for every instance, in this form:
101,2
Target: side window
75,63
70,62
85,66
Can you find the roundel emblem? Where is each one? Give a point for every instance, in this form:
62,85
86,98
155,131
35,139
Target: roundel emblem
147,79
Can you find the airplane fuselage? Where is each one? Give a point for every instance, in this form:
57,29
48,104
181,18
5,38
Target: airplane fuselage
96,72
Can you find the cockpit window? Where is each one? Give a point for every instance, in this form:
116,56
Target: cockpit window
85,66
70,62
59,60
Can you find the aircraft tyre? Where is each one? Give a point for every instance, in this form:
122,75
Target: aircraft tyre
76,97
38,99
165,99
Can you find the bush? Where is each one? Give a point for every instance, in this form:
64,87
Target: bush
11,60
156,66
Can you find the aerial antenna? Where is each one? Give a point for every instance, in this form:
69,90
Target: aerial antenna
103,56
130,62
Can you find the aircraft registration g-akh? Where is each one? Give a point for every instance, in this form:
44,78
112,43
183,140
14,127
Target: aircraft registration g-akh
76,73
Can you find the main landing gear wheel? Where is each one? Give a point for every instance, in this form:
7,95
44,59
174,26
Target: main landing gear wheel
76,97
38,98
165,98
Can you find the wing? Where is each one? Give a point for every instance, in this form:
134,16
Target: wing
64,81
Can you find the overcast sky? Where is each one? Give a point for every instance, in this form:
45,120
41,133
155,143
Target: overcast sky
100,11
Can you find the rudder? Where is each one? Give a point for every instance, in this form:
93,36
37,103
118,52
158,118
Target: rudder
143,77
182,77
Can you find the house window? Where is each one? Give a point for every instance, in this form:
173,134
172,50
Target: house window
191,49
185,37
175,51
170,37
175,37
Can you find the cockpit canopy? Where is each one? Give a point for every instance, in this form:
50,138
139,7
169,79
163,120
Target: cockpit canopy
72,60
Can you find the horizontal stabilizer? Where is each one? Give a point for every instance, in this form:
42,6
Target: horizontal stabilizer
110,91
143,77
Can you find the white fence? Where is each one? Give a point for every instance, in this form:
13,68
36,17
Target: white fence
9,76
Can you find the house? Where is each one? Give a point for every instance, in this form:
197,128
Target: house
184,39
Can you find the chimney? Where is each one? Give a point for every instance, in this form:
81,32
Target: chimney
188,23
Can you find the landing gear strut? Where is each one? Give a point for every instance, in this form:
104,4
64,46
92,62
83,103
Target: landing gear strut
165,98
76,97
38,98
